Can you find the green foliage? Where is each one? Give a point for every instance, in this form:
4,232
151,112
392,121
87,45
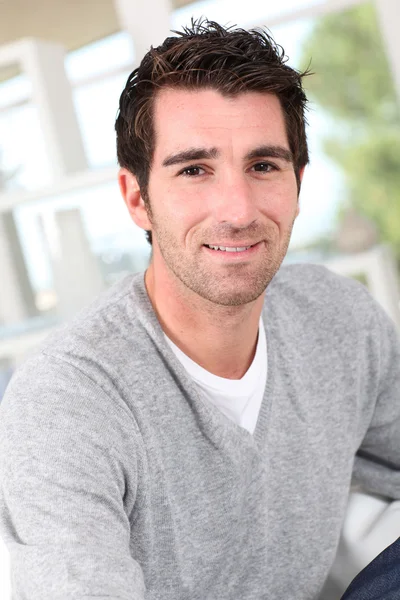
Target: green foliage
353,85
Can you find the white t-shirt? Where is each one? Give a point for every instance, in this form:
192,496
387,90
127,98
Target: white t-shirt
239,399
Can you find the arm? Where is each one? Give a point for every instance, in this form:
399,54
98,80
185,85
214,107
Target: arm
377,464
372,519
65,492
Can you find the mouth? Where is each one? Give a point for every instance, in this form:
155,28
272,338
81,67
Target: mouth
233,253
242,248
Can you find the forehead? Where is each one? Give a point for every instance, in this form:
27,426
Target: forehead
186,118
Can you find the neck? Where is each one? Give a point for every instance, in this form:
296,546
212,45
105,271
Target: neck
221,339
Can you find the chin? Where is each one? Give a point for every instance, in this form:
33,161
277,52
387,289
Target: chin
232,297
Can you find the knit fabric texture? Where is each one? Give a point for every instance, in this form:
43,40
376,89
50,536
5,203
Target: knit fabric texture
118,482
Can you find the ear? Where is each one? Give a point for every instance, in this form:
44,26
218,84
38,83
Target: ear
130,191
301,175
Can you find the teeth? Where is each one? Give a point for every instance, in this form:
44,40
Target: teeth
224,249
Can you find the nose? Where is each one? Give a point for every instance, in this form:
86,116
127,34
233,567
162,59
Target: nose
235,201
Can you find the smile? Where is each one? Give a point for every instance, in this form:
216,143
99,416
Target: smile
228,248
233,253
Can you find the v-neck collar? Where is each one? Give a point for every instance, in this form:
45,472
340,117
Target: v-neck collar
219,426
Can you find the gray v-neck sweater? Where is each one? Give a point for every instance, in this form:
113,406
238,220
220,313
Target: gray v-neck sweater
118,482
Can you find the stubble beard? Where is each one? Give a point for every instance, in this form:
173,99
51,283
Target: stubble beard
239,285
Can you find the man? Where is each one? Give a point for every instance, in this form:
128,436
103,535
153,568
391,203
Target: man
193,434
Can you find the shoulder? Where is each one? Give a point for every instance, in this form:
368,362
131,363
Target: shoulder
319,285
334,318
101,329
312,281
76,378
314,296
89,353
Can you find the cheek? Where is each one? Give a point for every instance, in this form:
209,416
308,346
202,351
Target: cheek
179,208
188,201
281,204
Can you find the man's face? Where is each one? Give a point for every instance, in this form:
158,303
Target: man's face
222,176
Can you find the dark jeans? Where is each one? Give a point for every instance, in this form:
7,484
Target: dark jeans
380,580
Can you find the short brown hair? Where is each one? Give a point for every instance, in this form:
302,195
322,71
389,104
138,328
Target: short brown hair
207,55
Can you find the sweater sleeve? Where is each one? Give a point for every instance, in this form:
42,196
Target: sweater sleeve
64,488
377,464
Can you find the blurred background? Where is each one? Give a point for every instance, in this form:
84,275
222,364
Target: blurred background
65,234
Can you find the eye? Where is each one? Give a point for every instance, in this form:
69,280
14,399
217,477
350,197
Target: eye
192,171
264,167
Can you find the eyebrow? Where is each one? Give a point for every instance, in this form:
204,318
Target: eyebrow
189,155
210,153
271,152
